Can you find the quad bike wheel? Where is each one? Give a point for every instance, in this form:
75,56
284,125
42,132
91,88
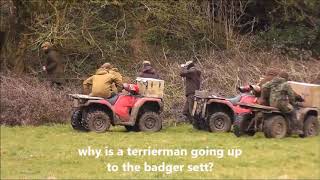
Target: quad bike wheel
98,121
240,127
150,121
219,122
275,127
76,118
311,126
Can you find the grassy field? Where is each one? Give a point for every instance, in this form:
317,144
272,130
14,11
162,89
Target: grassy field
52,152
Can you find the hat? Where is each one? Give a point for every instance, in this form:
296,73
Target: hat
284,75
106,66
146,62
188,63
272,72
46,44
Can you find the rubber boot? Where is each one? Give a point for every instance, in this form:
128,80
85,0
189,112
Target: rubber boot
189,118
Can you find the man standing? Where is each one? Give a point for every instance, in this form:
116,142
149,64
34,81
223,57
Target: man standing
192,83
282,96
148,71
54,65
100,84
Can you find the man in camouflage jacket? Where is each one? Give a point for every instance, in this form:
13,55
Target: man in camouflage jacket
282,96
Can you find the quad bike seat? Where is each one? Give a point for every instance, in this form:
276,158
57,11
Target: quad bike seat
259,107
113,99
235,100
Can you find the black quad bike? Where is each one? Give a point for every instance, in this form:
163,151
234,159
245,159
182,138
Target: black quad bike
273,123
217,114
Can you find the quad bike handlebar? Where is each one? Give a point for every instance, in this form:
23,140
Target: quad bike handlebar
248,88
132,88
244,89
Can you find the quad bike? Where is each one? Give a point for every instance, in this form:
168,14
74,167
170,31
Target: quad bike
217,114
131,110
274,123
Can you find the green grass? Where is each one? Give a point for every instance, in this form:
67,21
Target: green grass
52,152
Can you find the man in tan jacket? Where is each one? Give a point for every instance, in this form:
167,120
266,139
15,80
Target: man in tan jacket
101,82
116,73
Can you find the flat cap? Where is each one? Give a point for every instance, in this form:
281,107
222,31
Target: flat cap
106,66
146,62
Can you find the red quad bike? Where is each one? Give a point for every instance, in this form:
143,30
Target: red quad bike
217,114
274,123
133,111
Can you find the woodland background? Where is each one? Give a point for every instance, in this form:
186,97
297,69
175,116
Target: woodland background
232,41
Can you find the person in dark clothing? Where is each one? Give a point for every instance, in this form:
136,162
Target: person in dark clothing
192,83
54,65
148,71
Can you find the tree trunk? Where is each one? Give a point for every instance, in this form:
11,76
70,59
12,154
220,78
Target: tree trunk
21,19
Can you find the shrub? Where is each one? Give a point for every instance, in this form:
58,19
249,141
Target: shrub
222,72
28,101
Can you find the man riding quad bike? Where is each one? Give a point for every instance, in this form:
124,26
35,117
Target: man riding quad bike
285,111
217,114
274,123
134,111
